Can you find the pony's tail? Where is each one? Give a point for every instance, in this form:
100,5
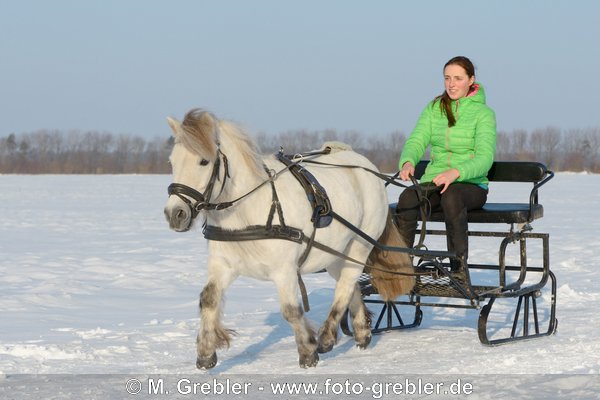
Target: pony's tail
391,285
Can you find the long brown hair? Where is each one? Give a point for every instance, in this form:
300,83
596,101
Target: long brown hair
444,99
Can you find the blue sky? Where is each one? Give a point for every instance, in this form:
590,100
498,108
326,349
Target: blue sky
123,66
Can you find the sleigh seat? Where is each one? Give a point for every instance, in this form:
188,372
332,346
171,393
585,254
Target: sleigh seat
510,213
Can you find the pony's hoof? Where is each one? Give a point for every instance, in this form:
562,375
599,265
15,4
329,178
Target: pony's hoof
325,347
310,360
364,343
206,363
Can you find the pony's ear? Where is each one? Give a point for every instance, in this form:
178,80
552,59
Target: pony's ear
175,125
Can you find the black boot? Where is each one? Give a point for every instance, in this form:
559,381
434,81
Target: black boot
456,264
406,222
457,239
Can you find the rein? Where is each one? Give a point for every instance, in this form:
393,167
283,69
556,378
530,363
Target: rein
282,231
389,180
202,200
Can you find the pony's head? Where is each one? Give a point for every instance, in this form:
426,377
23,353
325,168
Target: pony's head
198,165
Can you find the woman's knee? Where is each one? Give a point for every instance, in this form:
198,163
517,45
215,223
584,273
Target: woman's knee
408,205
452,199
408,200
463,196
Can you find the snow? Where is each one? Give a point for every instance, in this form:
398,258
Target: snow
96,290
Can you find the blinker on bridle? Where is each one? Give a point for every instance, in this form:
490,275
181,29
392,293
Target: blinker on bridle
202,200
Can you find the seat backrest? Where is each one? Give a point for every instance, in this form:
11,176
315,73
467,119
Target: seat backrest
504,171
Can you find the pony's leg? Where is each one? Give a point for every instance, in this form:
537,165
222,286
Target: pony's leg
212,335
344,296
361,319
292,311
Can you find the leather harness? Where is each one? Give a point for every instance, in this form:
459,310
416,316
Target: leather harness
322,214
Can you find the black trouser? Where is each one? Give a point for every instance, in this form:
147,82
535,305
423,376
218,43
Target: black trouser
454,202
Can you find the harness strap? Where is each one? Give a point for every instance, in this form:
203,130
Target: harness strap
341,255
253,232
414,252
425,212
309,244
315,192
389,180
275,204
303,293
260,232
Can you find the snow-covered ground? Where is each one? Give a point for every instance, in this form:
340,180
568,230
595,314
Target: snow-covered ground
96,288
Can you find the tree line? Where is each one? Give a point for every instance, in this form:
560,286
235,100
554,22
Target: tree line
92,152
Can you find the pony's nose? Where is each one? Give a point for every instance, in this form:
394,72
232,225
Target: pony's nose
178,218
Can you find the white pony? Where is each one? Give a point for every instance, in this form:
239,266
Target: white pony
219,176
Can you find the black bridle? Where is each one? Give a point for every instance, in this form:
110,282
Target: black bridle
202,200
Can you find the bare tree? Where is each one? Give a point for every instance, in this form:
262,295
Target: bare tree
94,152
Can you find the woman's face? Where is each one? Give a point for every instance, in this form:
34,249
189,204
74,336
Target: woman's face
456,81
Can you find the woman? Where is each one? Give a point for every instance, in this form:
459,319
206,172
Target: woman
461,130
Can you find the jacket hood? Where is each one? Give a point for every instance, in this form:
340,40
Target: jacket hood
476,95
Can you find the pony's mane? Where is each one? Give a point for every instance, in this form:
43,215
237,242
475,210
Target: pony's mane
198,133
201,130
246,147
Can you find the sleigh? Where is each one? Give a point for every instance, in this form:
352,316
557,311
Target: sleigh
479,286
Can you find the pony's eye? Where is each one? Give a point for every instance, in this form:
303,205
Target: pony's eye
204,162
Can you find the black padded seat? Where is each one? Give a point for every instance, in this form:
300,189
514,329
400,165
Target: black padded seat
518,213
510,213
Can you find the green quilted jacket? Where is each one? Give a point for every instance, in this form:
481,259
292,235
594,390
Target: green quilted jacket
468,146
